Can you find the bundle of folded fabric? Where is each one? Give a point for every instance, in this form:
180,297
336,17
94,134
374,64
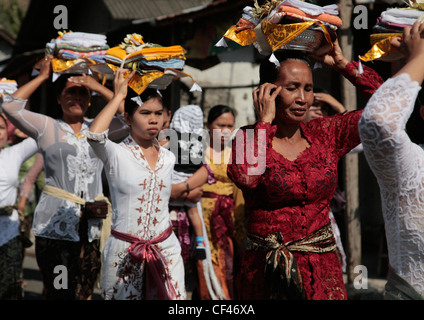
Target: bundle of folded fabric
390,24
74,52
286,25
7,86
156,66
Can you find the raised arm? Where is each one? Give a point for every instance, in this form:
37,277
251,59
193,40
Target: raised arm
414,45
102,121
24,92
96,86
382,125
31,123
251,144
367,82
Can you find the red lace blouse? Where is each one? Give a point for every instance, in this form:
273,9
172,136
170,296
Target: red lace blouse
293,197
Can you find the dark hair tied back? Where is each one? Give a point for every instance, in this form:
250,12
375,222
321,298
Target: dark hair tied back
131,106
218,110
269,71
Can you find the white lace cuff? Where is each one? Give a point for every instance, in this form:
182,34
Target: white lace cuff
9,98
99,137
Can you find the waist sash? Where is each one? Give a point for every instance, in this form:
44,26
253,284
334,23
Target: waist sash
280,263
7,210
145,250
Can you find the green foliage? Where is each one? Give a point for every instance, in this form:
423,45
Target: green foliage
11,16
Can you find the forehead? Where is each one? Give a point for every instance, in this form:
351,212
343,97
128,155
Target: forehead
153,104
71,87
225,118
295,70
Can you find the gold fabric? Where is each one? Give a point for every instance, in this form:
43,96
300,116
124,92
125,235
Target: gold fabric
277,35
244,38
382,49
154,53
80,65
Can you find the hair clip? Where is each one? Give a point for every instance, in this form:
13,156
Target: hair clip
137,100
274,60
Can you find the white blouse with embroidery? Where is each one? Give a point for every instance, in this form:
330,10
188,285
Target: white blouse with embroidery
69,163
11,159
140,197
398,164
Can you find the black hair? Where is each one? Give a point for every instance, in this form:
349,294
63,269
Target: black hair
219,110
415,124
131,106
4,118
269,71
321,90
60,83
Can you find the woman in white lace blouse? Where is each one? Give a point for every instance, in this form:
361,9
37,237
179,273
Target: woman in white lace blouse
61,234
398,164
142,257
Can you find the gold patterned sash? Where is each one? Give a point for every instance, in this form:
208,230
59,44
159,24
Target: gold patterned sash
280,262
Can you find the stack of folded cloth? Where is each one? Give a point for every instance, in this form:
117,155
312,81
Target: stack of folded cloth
156,66
74,52
7,86
287,25
391,24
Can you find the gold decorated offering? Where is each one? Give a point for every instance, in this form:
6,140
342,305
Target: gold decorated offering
286,25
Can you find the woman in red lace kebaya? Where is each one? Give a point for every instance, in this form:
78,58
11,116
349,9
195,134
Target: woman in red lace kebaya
289,180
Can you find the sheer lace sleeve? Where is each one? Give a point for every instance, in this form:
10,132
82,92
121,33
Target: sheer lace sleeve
31,123
99,142
382,129
398,164
248,157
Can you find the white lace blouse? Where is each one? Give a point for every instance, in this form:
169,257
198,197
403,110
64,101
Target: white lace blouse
11,160
398,165
140,198
69,163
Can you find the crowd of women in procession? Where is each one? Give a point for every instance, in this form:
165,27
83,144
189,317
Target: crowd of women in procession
245,229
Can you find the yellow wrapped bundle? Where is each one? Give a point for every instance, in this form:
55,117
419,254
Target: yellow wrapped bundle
156,66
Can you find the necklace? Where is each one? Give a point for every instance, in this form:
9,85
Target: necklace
79,135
